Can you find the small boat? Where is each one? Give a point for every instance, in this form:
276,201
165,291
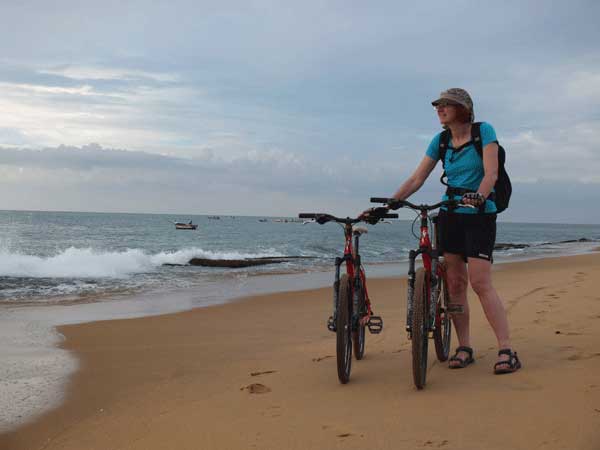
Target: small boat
185,226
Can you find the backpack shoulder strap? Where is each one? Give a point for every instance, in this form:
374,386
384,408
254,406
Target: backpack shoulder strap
444,142
443,147
476,137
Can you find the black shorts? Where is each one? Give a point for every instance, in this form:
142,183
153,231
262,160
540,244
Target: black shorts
469,235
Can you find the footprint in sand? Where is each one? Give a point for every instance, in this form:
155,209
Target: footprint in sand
265,372
581,356
435,444
256,388
321,358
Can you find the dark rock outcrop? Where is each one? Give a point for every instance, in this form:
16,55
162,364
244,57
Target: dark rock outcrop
506,246
237,263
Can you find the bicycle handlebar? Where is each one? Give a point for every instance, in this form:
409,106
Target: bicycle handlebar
324,218
394,203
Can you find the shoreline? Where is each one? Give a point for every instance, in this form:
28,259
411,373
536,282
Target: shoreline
177,370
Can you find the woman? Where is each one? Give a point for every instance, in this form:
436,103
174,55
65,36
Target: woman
467,236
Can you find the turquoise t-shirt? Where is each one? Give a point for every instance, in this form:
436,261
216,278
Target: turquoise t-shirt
464,168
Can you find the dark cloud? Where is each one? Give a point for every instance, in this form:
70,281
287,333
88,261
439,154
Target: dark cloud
313,100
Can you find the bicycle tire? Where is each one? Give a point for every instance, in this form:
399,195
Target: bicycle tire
344,330
443,331
359,335
420,328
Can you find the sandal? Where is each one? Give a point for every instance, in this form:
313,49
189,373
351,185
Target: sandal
512,362
462,362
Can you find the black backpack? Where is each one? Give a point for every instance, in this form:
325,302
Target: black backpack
502,188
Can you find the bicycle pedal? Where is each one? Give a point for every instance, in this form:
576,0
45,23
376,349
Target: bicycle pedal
455,308
331,324
375,324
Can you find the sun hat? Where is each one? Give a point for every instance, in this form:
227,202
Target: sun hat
456,95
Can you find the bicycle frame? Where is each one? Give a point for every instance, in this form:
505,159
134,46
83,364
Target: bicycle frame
430,255
352,259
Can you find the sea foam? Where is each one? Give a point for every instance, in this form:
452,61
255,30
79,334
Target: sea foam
91,263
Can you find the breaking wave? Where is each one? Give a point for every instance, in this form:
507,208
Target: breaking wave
91,263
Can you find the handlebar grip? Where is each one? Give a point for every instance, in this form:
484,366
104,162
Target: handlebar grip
379,200
307,215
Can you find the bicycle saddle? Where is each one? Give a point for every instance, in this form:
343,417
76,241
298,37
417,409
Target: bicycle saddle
359,230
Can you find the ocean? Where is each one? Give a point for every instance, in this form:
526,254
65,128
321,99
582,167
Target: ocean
54,257
59,268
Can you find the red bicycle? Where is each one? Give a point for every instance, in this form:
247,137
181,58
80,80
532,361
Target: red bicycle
352,310
428,306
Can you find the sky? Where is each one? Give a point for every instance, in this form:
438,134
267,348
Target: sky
272,108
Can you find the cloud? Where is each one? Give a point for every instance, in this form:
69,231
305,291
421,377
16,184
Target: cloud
555,154
256,172
108,73
283,102
253,183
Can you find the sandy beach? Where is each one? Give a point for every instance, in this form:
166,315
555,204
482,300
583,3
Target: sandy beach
260,373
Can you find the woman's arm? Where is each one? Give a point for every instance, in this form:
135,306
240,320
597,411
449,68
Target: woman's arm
416,180
490,169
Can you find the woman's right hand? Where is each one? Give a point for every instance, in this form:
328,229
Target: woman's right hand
378,210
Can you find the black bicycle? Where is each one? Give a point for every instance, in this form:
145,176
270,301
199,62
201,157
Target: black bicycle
352,310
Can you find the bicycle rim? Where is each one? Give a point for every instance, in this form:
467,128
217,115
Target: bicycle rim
443,332
344,330
419,328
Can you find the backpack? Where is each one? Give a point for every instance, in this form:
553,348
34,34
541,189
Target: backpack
503,186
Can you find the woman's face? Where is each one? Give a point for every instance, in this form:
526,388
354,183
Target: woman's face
446,113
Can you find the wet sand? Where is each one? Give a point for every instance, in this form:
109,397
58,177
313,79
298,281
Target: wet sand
260,373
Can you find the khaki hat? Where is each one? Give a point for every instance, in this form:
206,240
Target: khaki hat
456,95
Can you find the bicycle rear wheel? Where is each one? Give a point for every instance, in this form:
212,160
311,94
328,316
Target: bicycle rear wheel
420,328
359,335
344,330
443,325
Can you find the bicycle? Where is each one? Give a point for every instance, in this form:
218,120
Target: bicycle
428,306
351,303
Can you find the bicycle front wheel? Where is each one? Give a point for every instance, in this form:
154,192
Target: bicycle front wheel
420,328
443,324
344,330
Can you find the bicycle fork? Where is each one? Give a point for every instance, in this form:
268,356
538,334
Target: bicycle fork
412,255
434,294
332,320
433,291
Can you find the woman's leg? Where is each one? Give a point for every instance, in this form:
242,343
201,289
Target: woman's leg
480,276
457,278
